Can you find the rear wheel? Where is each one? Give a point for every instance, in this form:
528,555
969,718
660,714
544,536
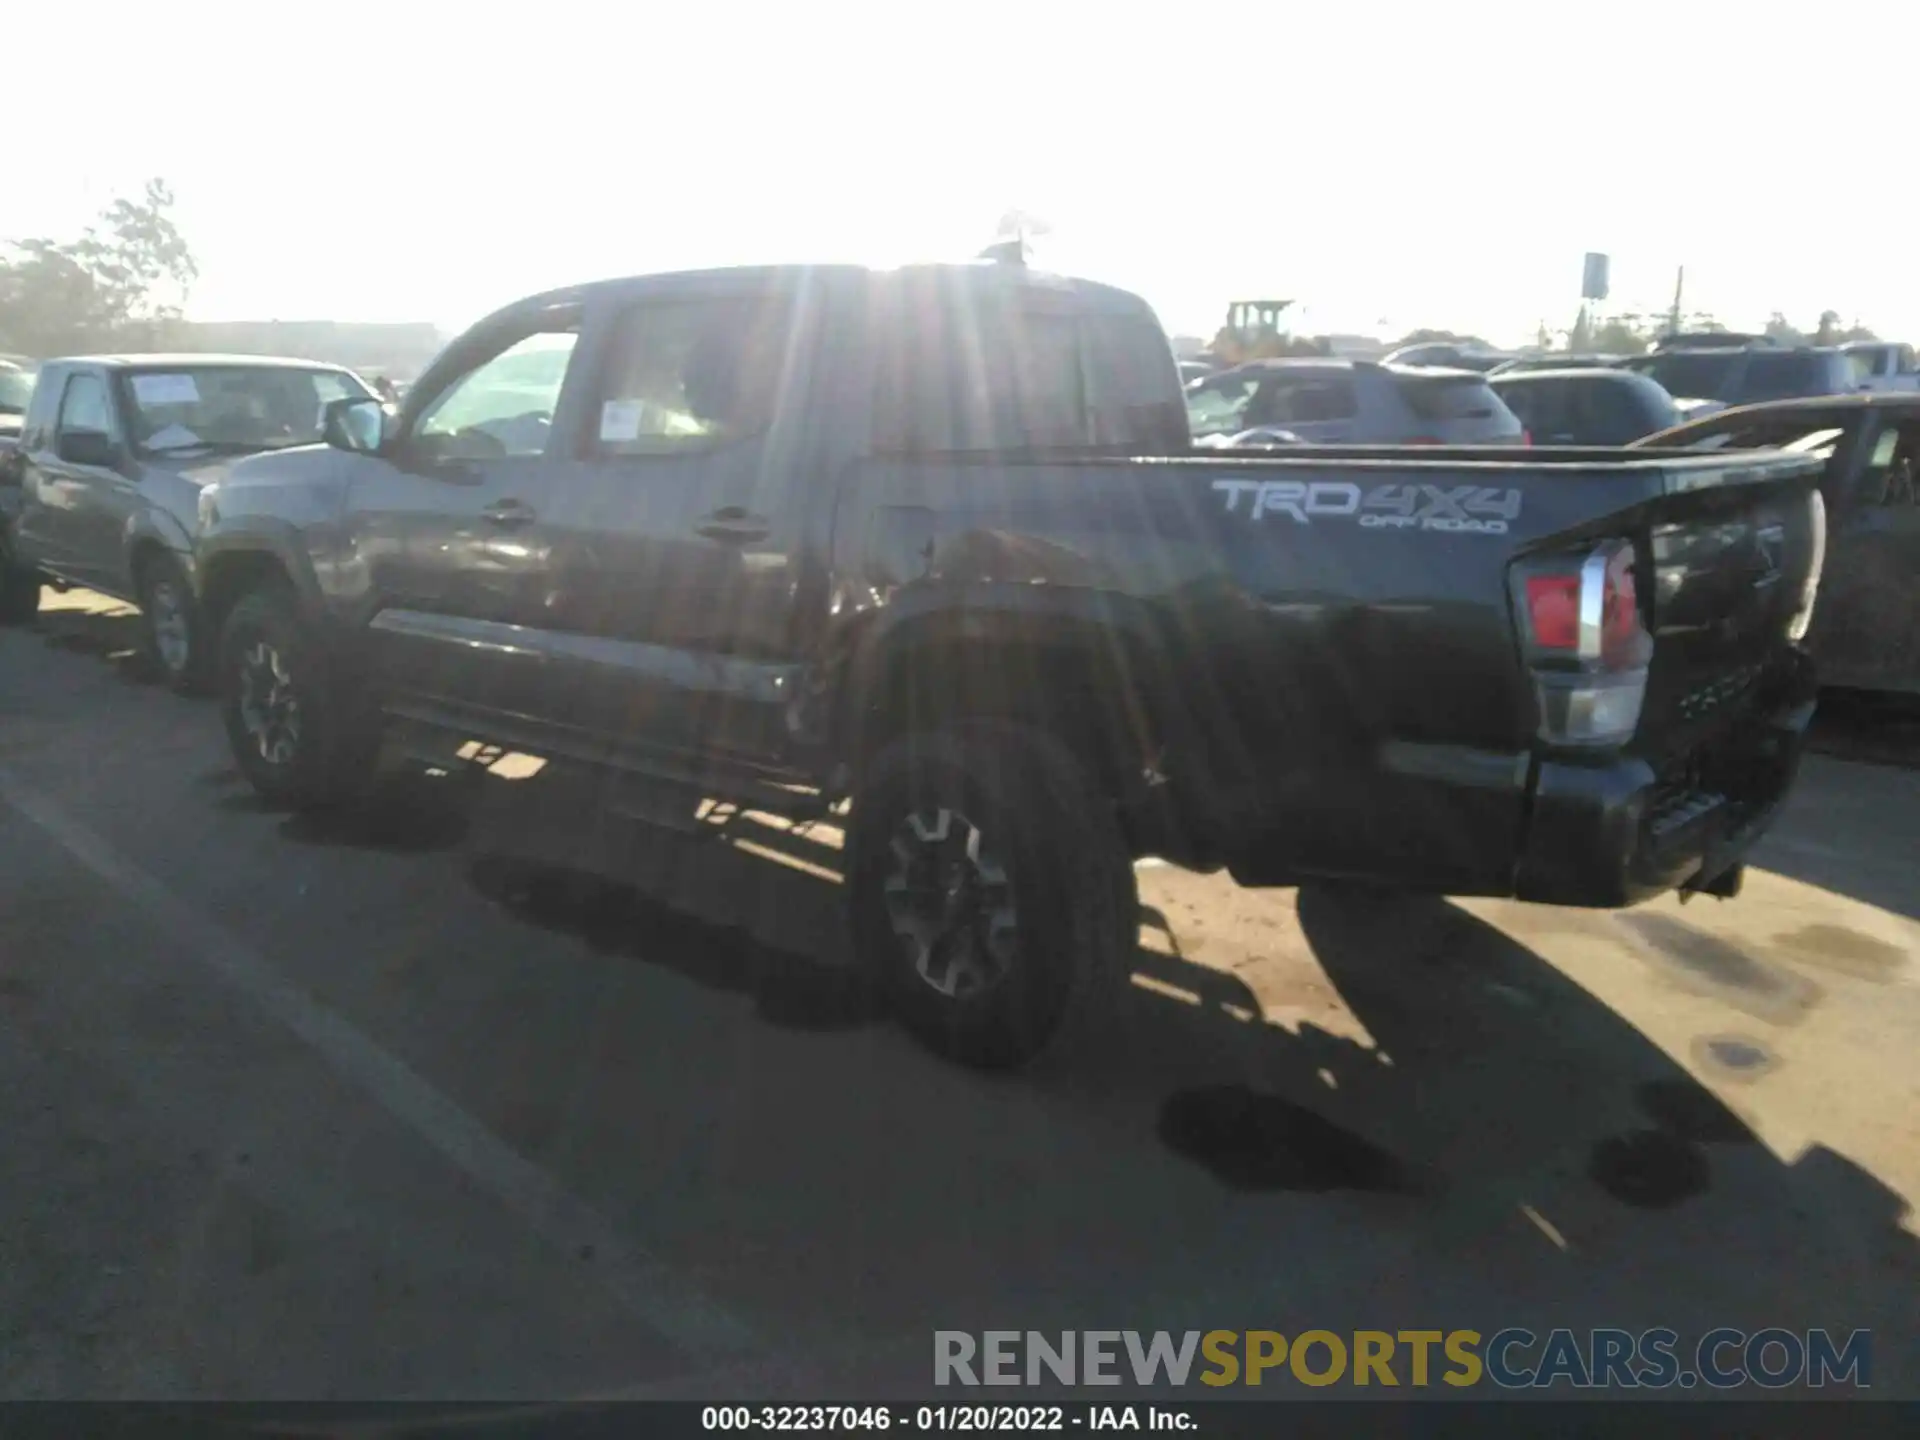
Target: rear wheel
991,894
176,643
300,739
19,592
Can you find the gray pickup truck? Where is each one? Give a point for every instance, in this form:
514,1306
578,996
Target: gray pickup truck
111,457
937,541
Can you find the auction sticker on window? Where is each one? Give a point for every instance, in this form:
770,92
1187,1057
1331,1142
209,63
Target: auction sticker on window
165,390
620,420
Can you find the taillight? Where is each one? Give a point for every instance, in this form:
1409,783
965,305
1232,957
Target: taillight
1585,642
1810,588
1526,437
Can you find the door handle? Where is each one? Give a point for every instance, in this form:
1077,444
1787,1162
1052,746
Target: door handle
508,512
732,525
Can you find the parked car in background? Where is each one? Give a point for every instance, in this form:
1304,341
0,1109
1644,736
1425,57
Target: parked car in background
16,389
19,587
1448,355
1866,628
1560,360
936,541
1710,340
1352,402
1585,407
1880,365
112,458
1748,375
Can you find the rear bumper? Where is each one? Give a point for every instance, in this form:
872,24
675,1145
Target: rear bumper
1614,835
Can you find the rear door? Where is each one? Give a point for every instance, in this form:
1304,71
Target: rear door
1866,625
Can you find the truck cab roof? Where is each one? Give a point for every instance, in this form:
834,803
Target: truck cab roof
982,275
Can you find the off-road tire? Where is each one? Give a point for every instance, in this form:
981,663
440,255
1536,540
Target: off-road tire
19,591
1074,899
333,760
194,674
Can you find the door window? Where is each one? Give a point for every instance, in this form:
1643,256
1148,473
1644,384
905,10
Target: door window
1320,400
688,375
503,407
83,406
1890,480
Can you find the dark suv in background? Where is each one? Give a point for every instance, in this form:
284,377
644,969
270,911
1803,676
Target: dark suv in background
1597,406
1349,402
1748,374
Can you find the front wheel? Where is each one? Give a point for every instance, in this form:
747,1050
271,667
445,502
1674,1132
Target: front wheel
296,736
19,592
992,896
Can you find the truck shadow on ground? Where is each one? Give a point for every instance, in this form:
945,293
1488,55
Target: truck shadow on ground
1469,1083
106,630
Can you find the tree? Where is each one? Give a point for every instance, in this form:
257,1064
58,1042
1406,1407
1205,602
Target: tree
120,285
1781,329
1829,331
1620,335
1580,338
1439,337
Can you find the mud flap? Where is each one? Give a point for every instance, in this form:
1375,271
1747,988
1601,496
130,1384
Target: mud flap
1723,885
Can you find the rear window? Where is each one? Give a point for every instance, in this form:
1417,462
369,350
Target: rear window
1691,376
966,370
1452,398
1781,377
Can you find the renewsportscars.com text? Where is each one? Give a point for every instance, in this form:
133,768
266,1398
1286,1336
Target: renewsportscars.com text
1513,1358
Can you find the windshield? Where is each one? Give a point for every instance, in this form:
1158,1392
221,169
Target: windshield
1215,407
1690,375
232,407
1865,363
16,389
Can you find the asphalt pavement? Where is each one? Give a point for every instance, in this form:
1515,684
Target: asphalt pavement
422,1105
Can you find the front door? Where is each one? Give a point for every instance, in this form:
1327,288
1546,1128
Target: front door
65,491
668,619
1866,626
446,526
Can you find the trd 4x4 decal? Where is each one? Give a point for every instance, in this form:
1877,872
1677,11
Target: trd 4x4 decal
1460,509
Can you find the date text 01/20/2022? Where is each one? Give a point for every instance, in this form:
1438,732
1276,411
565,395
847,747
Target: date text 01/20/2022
937,1418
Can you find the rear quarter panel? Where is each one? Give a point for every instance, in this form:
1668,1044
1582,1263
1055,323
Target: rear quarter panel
1337,651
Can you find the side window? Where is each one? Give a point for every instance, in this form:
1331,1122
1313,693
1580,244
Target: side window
1323,400
503,407
685,375
83,406
1891,478
1620,413
1272,402
1532,404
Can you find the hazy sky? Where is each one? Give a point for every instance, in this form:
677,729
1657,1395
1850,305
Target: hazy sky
1388,164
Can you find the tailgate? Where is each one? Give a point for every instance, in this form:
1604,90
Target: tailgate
1730,557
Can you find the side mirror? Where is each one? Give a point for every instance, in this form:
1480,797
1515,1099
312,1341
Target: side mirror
86,447
356,425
